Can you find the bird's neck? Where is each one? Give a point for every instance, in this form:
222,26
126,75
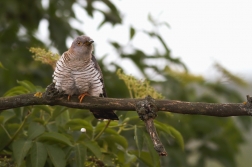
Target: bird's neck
81,56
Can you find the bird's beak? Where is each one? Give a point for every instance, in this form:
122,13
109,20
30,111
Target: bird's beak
90,42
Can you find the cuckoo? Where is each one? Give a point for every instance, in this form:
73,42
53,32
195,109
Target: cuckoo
78,73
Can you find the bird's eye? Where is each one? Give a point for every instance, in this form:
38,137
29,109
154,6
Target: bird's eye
78,43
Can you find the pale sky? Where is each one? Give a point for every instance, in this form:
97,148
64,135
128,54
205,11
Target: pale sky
201,32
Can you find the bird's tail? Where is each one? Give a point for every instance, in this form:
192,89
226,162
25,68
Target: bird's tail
104,114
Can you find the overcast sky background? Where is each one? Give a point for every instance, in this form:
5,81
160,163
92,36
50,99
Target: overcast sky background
201,32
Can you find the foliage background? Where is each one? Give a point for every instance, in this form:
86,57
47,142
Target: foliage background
207,140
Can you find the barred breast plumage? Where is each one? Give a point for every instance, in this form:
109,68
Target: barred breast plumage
77,72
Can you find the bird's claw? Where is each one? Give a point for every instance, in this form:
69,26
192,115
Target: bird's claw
80,97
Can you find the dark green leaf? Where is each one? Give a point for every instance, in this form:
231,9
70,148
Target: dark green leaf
47,109
139,133
16,91
63,118
12,127
1,119
52,127
116,139
54,138
77,124
7,114
116,45
56,155
94,148
1,66
35,129
101,126
145,157
4,138
38,154
20,149
129,158
57,110
172,131
80,154
153,153
132,32
27,85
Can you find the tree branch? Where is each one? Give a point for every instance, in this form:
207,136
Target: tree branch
147,111
146,108
124,104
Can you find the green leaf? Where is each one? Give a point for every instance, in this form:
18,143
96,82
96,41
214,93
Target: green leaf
80,154
56,155
101,126
129,158
116,45
1,66
132,32
35,129
27,85
145,157
63,118
7,114
38,154
47,109
57,110
1,119
77,124
94,148
16,91
112,139
76,135
172,131
138,131
55,138
52,127
12,128
4,138
20,149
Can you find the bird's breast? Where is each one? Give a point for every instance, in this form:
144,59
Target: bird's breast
88,79
76,77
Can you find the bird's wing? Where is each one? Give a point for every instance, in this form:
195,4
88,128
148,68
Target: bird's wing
102,114
99,70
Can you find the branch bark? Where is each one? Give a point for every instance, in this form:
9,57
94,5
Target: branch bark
125,104
146,108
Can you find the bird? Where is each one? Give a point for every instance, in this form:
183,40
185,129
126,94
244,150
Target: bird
77,72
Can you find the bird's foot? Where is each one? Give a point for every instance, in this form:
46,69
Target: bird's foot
80,97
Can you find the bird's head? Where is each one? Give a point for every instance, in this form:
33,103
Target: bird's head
82,46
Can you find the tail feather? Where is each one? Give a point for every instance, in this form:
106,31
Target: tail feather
104,114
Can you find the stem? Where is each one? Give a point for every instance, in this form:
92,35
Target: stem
6,131
102,130
19,129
